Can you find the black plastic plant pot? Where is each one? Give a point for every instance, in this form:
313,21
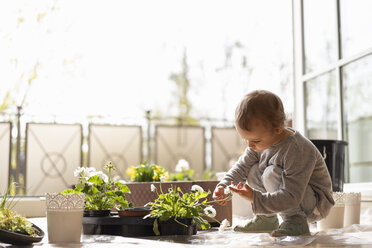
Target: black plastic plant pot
118,226
333,152
171,227
96,213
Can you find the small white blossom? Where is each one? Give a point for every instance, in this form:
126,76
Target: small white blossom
197,188
210,211
227,191
163,178
223,225
101,175
153,188
90,183
90,171
109,165
182,165
78,171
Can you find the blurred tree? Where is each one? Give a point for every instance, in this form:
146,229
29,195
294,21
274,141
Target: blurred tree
183,85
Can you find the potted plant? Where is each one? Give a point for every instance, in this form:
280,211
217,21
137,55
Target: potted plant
146,172
182,172
15,228
176,212
102,194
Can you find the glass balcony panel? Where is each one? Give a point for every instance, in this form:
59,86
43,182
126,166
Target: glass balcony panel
321,107
358,117
320,31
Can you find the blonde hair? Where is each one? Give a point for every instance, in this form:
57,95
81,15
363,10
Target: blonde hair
260,105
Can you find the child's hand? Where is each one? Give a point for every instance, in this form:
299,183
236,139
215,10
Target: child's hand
244,191
219,195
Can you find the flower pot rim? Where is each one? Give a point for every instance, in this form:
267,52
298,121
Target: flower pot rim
96,212
134,211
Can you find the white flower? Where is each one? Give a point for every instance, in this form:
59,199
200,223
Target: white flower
163,178
90,171
197,188
101,175
210,211
90,183
78,171
153,188
227,191
223,225
109,165
182,165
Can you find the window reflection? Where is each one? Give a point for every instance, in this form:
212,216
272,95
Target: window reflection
358,117
320,34
356,30
321,107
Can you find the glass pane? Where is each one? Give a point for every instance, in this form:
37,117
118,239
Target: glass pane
358,117
321,107
320,34
356,29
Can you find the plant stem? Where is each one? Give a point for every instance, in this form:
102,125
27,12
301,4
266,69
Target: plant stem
228,198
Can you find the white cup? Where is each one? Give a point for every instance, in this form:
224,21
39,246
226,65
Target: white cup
64,217
335,218
352,208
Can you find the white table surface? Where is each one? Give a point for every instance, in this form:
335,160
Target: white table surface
352,236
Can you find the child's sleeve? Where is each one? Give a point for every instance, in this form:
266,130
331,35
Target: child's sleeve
239,172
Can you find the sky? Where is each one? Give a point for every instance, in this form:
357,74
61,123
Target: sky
115,58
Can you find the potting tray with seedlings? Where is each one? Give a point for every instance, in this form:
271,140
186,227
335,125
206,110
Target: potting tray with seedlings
132,224
173,212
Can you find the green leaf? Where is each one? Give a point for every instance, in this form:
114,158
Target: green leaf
155,228
67,191
125,189
95,180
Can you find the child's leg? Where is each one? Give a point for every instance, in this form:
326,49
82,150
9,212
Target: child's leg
272,181
294,221
292,226
260,223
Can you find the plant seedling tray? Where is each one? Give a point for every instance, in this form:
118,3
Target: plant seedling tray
132,227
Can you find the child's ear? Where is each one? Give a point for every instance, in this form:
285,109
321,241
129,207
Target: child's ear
278,130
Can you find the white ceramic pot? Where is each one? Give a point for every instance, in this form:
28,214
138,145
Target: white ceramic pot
64,217
352,208
335,218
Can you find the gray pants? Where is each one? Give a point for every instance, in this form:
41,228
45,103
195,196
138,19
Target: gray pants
270,180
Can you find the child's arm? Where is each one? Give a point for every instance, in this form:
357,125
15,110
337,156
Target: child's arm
240,170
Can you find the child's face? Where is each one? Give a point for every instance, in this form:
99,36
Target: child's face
260,137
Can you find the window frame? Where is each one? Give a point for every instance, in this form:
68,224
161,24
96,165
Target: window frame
300,76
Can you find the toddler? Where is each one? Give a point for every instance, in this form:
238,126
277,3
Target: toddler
280,172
